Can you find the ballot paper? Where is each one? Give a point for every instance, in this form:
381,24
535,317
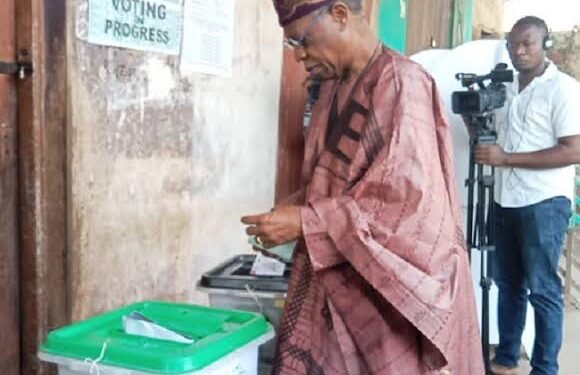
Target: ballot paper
267,266
137,324
283,252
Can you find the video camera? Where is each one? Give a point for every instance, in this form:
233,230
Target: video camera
487,98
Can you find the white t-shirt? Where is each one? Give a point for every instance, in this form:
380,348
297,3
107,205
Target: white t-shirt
532,120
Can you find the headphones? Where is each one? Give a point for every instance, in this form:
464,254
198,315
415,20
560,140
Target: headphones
548,41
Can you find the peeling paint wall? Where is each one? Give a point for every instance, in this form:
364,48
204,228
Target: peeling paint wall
488,19
162,165
566,51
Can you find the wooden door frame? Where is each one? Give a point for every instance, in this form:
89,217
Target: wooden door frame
425,25
42,98
9,241
290,132
290,129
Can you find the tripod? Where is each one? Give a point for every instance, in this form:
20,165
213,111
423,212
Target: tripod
480,224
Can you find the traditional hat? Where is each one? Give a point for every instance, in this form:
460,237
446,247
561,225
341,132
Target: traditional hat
291,10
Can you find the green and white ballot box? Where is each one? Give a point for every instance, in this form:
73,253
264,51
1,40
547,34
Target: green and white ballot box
160,338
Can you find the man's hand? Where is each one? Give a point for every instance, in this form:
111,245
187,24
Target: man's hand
281,225
566,152
492,155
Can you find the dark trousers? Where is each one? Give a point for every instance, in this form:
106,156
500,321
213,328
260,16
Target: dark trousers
528,246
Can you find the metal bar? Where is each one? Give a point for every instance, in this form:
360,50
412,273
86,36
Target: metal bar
9,68
23,70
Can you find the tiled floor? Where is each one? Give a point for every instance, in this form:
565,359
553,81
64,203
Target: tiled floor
570,354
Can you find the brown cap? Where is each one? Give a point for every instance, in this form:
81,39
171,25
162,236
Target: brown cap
291,10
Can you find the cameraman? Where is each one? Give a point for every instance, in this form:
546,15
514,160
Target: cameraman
539,141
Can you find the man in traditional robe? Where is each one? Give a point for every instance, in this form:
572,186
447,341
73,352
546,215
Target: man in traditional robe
380,281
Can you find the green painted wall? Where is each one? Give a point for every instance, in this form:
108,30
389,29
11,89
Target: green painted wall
392,23
462,22
468,30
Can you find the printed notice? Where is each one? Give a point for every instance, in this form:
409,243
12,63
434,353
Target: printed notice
208,37
154,25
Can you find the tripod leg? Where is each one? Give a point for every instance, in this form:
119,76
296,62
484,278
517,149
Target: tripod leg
490,254
483,202
485,313
491,223
470,183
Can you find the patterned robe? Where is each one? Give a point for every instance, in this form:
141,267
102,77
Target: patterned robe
381,282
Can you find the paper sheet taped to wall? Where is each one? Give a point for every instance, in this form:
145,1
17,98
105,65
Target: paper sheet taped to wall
148,25
208,37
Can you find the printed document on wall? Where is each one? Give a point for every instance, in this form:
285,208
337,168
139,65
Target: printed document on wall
208,37
148,25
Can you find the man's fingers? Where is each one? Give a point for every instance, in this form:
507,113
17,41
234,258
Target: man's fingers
264,231
254,231
255,219
482,160
481,152
481,155
251,219
265,242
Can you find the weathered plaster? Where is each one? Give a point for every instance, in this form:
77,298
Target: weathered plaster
488,18
162,165
566,51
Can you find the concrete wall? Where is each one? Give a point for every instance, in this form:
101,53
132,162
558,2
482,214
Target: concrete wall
162,165
488,18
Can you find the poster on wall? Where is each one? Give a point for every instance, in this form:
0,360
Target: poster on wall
208,37
148,25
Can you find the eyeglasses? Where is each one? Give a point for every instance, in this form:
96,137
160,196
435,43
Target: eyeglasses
301,42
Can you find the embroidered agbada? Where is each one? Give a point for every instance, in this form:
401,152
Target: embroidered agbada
381,282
